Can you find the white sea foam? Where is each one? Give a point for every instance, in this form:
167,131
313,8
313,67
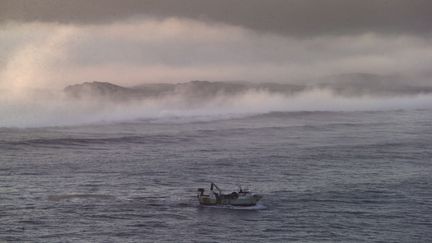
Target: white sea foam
255,207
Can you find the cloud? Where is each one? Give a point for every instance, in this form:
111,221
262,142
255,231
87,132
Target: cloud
140,50
289,17
32,61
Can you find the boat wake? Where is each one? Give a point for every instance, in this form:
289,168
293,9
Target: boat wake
254,207
77,197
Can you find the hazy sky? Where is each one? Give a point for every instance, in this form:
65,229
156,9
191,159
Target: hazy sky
293,17
52,43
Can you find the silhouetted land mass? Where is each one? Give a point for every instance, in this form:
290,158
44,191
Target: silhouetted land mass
347,85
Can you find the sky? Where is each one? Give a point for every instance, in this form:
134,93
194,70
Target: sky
49,44
293,17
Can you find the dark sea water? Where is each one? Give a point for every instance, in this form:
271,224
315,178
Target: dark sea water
325,177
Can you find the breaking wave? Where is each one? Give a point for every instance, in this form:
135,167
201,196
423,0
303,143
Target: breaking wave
202,104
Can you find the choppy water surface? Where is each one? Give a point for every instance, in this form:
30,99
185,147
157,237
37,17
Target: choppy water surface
325,176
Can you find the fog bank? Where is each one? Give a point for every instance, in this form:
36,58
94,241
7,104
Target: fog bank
41,58
59,109
136,51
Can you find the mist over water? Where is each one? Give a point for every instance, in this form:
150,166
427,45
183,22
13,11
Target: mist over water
43,109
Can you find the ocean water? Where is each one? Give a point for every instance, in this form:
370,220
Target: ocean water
325,177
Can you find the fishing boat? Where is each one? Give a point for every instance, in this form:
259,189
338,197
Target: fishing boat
215,197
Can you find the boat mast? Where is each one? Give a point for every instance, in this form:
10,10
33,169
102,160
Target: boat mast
214,185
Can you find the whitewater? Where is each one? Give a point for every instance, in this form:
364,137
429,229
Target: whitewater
105,103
